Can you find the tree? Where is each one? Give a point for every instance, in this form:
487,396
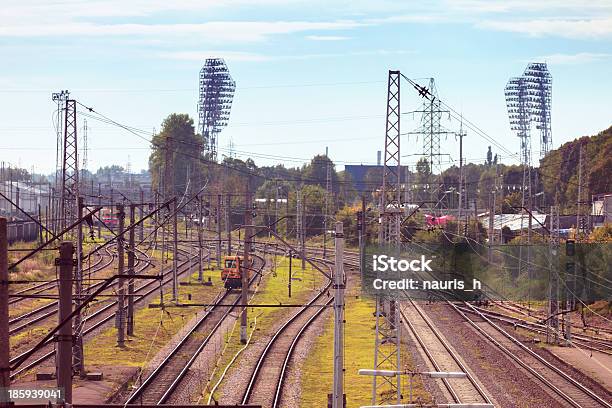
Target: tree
489,157
186,153
316,172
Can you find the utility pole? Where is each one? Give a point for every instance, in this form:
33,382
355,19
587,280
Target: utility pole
200,252
290,272
276,206
63,352
228,222
553,279
5,367
461,135
491,219
175,252
99,205
70,165
218,231
362,236
387,345
130,265
339,286
248,232
300,228
120,317
582,219
328,192
141,208
77,348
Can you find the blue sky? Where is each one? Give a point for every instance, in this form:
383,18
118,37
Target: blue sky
309,74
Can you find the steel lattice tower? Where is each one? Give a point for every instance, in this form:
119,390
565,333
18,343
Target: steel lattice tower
70,164
539,89
528,99
387,336
517,102
216,95
391,192
431,130
70,209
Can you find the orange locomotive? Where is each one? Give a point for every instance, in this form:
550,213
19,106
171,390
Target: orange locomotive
231,274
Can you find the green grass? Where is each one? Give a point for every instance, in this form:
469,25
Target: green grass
317,372
153,328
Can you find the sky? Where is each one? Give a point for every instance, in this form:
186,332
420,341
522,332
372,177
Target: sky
309,74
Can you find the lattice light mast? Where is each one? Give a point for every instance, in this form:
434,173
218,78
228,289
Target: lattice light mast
539,90
216,95
529,99
519,114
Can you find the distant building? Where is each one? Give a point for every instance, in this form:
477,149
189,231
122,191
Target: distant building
26,195
358,173
602,206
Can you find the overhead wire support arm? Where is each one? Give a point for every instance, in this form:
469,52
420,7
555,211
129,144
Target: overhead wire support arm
55,237
423,91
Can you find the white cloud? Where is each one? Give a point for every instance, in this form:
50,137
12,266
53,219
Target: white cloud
587,28
240,31
570,59
238,56
568,7
242,56
327,38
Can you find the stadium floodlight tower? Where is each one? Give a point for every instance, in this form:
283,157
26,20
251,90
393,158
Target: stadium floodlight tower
216,95
517,101
539,90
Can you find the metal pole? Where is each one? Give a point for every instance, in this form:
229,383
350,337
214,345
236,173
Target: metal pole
99,205
5,371
275,206
77,350
40,227
130,265
141,207
248,232
362,236
339,285
218,231
460,180
290,278
491,218
174,254
64,337
287,215
120,320
228,222
200,252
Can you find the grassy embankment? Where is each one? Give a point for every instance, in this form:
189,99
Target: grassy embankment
317,372
153,328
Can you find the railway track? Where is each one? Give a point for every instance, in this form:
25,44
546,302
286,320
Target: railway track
162,383
268,377
101,316
515,307
45,312
565,388
41,287
584,341
442,356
